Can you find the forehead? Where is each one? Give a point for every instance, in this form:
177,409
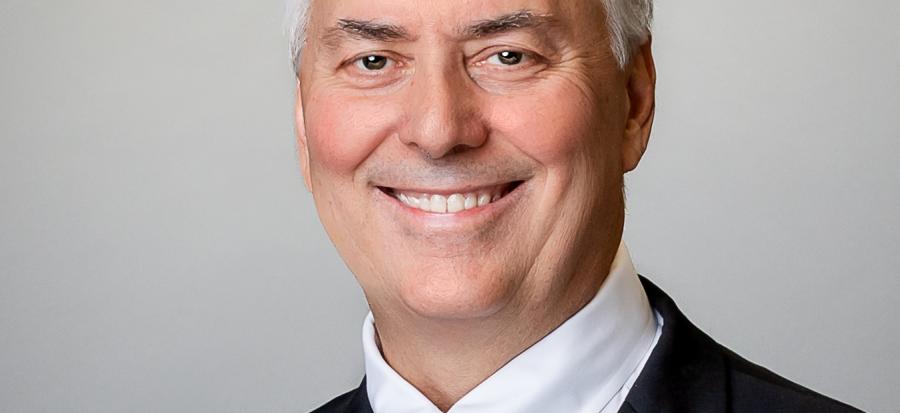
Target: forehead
450,16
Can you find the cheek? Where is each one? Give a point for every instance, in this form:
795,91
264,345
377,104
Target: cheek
343,131
575,135
556,126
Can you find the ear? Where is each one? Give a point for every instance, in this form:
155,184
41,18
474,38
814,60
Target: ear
302,144
641,90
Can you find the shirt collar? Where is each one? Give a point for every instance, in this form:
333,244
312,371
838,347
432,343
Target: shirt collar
579,367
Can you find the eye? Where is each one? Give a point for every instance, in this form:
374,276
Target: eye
372,62
374,69
507,57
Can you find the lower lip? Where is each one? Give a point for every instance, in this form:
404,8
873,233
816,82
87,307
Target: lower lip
449,220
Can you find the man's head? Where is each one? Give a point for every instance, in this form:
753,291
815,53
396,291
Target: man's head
467,157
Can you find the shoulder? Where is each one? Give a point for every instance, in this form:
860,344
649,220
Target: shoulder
755,389
690,371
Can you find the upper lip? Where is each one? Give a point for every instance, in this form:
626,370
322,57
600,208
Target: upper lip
463,189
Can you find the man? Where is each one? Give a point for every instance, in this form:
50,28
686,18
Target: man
467,159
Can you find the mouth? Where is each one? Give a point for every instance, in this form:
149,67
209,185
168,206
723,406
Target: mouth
451,201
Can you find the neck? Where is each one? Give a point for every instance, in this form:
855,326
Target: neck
445,359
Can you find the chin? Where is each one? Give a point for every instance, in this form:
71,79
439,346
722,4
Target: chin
457,295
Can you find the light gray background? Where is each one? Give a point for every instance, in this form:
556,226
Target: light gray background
159,253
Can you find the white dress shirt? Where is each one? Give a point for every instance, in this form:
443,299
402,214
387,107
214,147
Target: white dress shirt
586,365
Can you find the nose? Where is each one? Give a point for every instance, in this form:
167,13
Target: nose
443,113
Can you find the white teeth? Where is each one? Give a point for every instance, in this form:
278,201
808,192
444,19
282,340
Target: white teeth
451,204
455,203
471,201
439,204
484,199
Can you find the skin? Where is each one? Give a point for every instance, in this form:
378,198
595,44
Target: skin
456,296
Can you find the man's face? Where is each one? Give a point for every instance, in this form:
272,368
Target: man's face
466,157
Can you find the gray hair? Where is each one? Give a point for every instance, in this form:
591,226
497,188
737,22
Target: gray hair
628,22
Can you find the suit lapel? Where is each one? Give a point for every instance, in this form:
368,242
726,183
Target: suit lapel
686,371
359,403
626,408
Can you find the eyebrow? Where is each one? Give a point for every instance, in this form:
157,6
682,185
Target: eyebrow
521,19
365,30
383,32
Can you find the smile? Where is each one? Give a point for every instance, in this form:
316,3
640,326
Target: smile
451,202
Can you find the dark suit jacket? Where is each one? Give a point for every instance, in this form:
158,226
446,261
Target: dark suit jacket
687,372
